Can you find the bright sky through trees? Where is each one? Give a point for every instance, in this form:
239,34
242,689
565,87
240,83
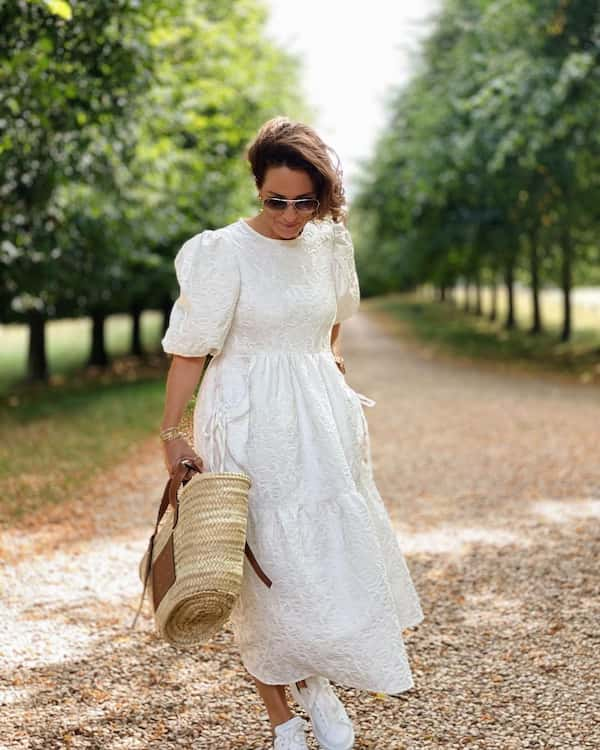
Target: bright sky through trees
352,53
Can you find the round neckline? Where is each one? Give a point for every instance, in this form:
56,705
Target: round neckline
291,242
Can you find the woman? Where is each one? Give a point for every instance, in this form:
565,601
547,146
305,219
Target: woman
265,296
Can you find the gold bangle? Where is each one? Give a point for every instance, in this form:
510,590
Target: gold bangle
338,358
170,433
169,429
174,436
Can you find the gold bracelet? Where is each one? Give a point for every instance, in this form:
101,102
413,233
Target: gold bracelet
170,433
338,358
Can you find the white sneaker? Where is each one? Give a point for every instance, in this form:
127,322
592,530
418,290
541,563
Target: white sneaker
330,722
290,734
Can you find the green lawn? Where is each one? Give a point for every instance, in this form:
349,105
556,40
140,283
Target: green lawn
68,343
57,438
468,335
585,315
53,445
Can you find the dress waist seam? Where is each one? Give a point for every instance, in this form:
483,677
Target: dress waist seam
274,351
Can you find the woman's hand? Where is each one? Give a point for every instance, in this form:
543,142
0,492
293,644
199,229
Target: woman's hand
176,450
339,361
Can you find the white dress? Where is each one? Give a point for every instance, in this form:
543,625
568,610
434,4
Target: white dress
274,404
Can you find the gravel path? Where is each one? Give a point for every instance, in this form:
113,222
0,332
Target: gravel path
493,483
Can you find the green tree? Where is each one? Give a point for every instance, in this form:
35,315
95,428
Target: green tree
125,129
67,87
489,163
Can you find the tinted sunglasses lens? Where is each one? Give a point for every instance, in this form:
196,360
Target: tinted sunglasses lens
275,204
307,205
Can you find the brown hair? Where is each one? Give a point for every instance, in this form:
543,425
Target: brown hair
283,142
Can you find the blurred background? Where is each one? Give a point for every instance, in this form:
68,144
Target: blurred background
467,129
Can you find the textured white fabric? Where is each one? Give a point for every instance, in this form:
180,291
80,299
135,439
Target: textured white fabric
274,404
331,724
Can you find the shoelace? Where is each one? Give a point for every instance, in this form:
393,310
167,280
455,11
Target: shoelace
327,703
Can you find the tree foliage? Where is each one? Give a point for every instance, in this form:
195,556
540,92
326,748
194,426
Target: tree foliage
489,165
122,130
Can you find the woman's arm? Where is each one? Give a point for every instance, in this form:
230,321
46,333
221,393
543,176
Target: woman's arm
182,379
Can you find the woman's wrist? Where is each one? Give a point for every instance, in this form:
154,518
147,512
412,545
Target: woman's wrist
167,434
176,425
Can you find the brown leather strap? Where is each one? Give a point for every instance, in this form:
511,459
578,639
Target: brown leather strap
259,571
178,478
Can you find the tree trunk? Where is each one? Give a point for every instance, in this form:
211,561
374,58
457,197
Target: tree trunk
494,309
98,354
165,308
534,264
467,301
566,281
37,364
478,293
136,339
509,280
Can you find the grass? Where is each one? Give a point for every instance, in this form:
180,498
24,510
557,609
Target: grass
53,444
585,307
479,339
67,345
59,436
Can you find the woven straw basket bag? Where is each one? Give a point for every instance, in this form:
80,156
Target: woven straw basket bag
194,559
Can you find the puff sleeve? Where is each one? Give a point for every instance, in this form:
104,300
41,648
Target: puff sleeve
347,288
209,284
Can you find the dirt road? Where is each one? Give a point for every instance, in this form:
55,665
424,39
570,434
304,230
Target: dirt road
493,483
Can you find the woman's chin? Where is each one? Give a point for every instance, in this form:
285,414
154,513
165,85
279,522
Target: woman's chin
288,232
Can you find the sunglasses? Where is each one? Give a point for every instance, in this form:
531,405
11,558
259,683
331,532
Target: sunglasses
302,205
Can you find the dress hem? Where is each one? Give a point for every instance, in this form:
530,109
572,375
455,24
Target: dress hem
405,685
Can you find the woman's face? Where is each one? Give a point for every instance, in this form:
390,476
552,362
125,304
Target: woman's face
283,182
